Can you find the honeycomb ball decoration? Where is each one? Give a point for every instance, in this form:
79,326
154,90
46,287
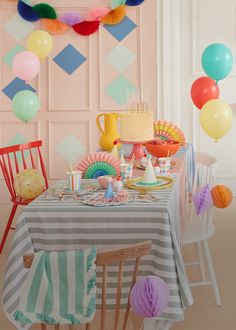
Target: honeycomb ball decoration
29,184
222,196
149,297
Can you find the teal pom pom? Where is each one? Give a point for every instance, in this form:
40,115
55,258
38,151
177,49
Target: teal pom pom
45,11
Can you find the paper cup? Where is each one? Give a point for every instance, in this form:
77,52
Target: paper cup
126,171
74,180
164,164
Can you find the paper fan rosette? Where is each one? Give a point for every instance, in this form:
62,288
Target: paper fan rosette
99,164
168,131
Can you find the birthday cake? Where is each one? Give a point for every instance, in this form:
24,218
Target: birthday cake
136,126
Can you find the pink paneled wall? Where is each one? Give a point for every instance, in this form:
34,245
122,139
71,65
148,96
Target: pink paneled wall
70,103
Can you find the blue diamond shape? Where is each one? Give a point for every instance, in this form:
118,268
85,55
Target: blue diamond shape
69,59
16,86
121,30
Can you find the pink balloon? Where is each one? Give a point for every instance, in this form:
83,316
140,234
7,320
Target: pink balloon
26,65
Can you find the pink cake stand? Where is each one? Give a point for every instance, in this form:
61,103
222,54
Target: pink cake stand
137,150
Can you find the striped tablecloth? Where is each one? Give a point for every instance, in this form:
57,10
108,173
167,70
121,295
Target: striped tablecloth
66,225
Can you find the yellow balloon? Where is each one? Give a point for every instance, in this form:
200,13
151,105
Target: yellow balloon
216,118
40,42
29,184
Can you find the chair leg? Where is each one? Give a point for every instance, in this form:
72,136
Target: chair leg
88,326
43,326
56,327
11,217
200,259
212,273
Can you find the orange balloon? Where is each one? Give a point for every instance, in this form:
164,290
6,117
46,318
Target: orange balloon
222,196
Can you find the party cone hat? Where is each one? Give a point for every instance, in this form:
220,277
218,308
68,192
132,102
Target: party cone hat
109,192
149,174
122,158
115,151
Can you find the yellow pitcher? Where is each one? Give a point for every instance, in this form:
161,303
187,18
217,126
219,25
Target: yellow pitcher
109,134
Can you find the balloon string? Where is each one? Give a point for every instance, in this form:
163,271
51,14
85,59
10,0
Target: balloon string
217,81
215,140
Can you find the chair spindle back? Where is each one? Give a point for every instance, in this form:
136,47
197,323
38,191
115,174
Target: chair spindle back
105,258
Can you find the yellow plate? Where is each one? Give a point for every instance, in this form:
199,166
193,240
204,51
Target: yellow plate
169,181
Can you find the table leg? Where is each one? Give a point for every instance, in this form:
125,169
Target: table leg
152,324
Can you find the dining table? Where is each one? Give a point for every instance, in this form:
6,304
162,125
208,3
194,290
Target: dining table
56,224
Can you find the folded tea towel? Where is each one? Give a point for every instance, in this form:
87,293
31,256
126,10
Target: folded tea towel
60,288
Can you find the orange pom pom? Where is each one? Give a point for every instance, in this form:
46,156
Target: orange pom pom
222,196
54,26
115,16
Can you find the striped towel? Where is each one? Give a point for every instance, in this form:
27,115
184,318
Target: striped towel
60,288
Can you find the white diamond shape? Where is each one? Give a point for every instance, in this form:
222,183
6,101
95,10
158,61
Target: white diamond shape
120,58
70,149
18,28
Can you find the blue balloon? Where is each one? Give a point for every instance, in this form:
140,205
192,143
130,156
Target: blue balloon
217,61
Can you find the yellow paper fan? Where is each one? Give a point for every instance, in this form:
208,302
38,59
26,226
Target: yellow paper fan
115,16
168,131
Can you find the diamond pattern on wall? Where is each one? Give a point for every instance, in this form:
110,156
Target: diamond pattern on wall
18,139
120,58
18,28
69,59
121,30
70,149
16,86
9,57
119,89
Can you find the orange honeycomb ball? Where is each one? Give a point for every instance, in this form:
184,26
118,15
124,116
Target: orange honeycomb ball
222,196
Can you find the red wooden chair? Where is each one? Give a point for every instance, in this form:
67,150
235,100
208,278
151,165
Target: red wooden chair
12,161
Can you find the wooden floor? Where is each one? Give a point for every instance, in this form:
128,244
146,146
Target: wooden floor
204,314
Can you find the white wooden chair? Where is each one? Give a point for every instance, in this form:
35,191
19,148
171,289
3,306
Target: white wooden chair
105,258
201,228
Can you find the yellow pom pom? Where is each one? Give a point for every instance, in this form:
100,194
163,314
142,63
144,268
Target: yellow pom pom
115,16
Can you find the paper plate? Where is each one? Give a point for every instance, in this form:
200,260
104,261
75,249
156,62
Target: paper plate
162,183
97,200
146,185
84,190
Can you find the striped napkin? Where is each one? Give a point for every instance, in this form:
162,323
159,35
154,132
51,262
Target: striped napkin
60,288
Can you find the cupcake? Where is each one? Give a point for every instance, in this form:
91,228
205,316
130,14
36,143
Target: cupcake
122,196
118,184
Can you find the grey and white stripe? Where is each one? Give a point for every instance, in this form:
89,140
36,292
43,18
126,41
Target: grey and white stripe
68,225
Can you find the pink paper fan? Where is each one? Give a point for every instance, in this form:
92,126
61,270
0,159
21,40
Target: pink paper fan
71,18
202,199
96,14
99,157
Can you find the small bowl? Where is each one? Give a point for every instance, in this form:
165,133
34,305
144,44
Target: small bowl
103,182
162,150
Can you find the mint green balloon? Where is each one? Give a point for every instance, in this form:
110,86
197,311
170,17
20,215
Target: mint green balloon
25,105
28,2
117,3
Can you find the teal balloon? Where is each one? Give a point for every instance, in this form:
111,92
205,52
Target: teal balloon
25,105
217,61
